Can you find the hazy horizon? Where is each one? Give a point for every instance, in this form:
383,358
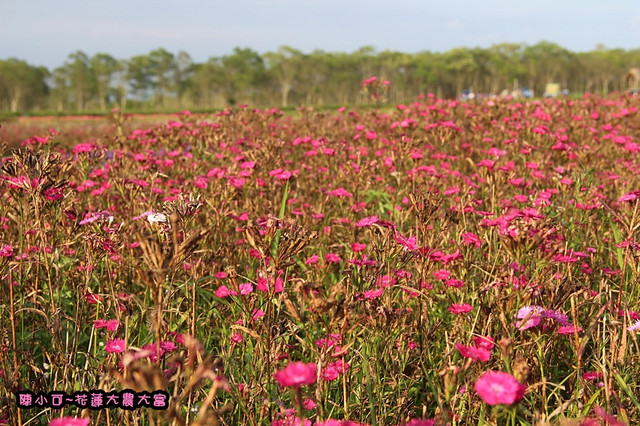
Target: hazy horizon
45,33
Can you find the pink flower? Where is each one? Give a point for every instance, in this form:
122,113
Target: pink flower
609,418
330,373
356,247
421,422
94,216
312,260
454,283
167,346
333,422
532,314
473,352
53,194
6,250
280,174
245,288
340,192
223,291
201,182
308,404
629,196
93,298
110,325
296,374
334,369
69,421
409,243
442,274
369,80
367,221
497,387
385,281
635,326
83,147
460,308
115,346
556,315
569,329
470,238
484,342
373,294
332,258
591,375
289,418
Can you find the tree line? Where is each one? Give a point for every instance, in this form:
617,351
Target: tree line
162,80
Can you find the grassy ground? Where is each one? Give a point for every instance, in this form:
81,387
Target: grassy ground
439,263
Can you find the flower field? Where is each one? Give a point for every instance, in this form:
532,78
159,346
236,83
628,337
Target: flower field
438,263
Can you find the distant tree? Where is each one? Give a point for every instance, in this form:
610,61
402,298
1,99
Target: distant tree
184,69
396,67
207,83
162,66
286,76
506,67
460,63
245,75
59,94
547,62
140,77
341,74
428,68
608,68
314,74
81,78
122,78
22,86
103,66
285,64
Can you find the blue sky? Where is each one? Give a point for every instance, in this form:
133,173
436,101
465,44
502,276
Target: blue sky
44,32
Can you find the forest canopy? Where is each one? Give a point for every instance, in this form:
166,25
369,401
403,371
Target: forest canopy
162,80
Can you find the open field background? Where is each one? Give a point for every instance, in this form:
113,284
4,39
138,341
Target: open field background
164,80
405,257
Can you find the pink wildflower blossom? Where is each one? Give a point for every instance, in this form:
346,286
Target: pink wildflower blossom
532,314
421,422
367,221
312,260
245,288
635,326
473,352
460,308
470,238
6,250
296,374
484,342
115,346
497,387
340,192
69,421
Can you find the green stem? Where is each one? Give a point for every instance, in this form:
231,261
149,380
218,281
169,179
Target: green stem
283,207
